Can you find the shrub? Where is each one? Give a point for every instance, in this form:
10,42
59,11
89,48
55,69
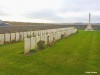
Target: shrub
62,36
41,44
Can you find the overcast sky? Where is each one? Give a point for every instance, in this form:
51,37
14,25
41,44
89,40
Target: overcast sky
51,11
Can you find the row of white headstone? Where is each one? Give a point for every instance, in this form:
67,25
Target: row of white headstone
14,37
20,36
51,36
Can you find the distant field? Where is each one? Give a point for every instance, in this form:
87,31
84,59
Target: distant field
13,29
26,26
74,55
22,27
26,23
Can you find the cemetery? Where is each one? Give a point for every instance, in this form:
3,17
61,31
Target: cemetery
49,37
51,50
73,55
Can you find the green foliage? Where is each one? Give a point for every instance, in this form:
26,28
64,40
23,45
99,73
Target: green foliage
62,36
41,44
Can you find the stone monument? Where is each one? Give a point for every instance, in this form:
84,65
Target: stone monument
89,27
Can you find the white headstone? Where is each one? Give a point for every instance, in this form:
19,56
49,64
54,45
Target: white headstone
33,42
7,38
35,33
29,33
13,37
32,33
1,39
55,35
27,45
21,36
25,35
54,38
42,37
58,35
68,32
43,32
39,32
17,37
37,39
45,37
50,38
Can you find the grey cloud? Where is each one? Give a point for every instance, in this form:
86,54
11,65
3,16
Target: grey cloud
96,19
80,5
2,13
84,6
44,14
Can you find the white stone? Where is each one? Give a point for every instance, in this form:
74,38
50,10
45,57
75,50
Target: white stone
55,36
33,42
68,32
39,32
13,37
29,34
21,36
1,39
37,39
27,45
48,31
32,33
42,38
43,33
7,38
25,35
58,35
45,39
35,33
17,37
48,39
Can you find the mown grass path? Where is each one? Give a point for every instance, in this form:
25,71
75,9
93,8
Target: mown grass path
74,55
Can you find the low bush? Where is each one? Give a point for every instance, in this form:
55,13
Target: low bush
41,45
62,36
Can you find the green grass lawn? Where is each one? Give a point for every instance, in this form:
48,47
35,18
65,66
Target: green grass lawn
74,55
